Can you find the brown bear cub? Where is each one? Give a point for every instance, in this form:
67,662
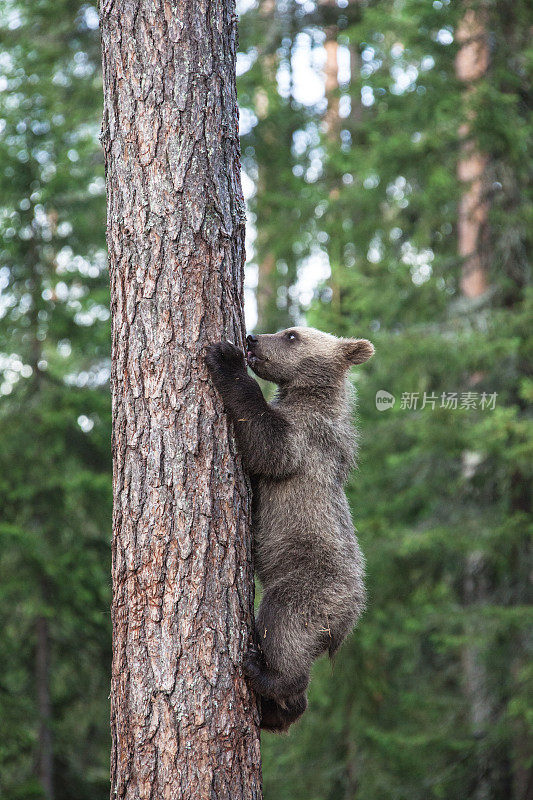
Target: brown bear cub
298,451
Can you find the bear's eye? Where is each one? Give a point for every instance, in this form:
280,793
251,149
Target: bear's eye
291,336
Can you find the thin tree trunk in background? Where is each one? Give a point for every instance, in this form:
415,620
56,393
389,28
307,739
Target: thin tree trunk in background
331,78
522,739
44,764
184,724
480,701
279,34
471,64
265,290
331,121
42,680
352,13
331,82
356,111
266,267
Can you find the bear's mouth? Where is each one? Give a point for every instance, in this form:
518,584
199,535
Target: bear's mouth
253,359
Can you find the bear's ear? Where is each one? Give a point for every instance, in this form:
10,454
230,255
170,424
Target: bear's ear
356,351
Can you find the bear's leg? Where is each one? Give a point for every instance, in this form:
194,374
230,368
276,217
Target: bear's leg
278,717
272,683
286,647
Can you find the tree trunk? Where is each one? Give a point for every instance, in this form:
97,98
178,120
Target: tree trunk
42,680
471,65
475,676
266,289
184,724
265,293
331,79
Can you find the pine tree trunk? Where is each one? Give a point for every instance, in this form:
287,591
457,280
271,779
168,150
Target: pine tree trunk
470,66
42,680
184,724
331,125
265,293
356,111
331,77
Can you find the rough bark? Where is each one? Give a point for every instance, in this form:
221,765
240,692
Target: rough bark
184,724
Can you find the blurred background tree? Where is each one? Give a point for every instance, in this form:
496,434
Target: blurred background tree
54,413
387,156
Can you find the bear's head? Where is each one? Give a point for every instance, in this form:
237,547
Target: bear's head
305,356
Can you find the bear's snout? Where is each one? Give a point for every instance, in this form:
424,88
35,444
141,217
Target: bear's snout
252,356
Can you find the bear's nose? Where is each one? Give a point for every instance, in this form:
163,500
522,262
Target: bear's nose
251,339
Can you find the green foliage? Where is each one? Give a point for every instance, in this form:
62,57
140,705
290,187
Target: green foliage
276,146
54,410
442,497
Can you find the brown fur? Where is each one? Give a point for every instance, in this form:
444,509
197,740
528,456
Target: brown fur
298,451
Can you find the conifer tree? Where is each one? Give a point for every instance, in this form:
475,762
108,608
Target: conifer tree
435,482
184,722
54,410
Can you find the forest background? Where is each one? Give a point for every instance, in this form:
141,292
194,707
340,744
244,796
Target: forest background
386,148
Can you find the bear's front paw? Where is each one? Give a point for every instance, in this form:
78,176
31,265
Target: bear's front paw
223,359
